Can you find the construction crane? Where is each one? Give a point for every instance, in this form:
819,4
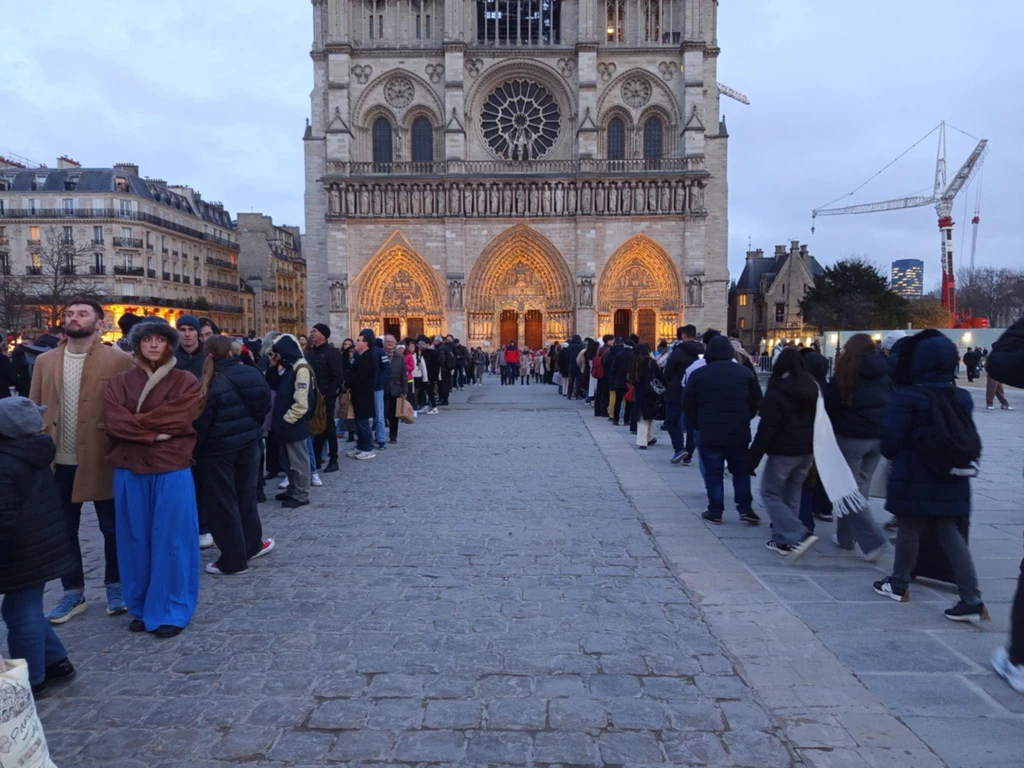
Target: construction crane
725,90
942,198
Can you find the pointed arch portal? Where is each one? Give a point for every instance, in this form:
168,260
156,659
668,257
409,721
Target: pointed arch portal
639,290
399,293
521,283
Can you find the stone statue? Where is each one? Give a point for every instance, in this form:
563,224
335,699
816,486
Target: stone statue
696,198
364,201
506,199
378,201
350,200
338,302
335,201
441,200
694,292
495,201
600,197
467,200
586,293
652,197
545,199
455,295
520,199
614,199
389,201
454,200
570,200
678,197
481,200
586,198
666,197
534,199
416,200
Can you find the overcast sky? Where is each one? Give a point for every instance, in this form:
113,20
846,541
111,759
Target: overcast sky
215,94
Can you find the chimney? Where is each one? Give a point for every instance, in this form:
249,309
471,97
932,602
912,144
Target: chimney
8,163
129,168
66,162
803,252
794,247
758,254
780,250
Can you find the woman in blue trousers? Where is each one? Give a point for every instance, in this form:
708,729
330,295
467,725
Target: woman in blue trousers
149,412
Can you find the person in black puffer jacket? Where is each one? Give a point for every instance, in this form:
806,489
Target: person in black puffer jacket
719,399
684,353
234,400
856,399
786,434
620,365
34,545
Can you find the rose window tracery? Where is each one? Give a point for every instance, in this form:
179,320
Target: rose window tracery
636,92
398,92
520,121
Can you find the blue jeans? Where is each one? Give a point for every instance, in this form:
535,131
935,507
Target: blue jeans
29,635
312,456
364,434
380,423
674,425
713,459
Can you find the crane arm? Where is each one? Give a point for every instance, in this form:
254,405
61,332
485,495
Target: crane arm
725,90
885,205
966,172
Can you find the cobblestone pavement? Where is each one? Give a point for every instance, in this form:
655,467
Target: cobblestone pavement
484,593
906,675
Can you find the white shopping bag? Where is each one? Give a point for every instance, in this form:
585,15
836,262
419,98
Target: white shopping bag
22,744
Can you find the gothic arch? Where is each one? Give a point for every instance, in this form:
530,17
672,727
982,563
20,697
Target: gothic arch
661,95
371,104
398,283
640,277
521,272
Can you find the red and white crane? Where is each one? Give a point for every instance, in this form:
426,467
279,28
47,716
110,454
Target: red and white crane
942,198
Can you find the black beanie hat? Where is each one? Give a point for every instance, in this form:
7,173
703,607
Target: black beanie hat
324,330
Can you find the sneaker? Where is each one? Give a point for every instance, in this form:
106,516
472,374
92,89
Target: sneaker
136,625
392,440
381,445
872,556
835,540
964,612
265,549
1007,407
711,517
283,496
433,412
892,523
60,672
363,455
270,475
353,453
166,631
688,462
1011,673
783,549
215,570
332,466
796,551
115,600
679,456
652,441
824,517
989,408
293,503
750,516
283,484
885,588
641,447
315,480
205,540
69,606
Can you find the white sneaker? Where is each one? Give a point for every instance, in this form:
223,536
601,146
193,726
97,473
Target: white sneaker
205,540
989,408
433,412
315,480
353,453
283,484
1011,673
366,455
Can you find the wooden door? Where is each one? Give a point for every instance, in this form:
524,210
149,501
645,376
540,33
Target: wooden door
534,329
647,327
414,327
623,323
393,325
509,327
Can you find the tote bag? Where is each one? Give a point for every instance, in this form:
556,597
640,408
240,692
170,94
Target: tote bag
22,743
404,412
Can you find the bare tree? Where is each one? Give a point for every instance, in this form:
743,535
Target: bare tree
995,293
60,273
12,302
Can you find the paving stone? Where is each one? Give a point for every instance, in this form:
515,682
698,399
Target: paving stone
516,714
565,748
301,745
756,749
694,748
577,714
452,714
611,686
340,713
638,714
630,748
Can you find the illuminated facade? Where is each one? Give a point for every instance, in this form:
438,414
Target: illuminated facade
143,245
274,271
907,278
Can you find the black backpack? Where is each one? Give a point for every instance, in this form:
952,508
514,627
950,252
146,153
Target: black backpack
951,446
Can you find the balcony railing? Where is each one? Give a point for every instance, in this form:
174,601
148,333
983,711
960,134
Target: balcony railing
163,251
222,285
177,278
5,269
128,242
97,270
149,246
594,166
114,213
30,270
150,273
186,279
97,241
167,275
129,271
34,243
5,240
67,269
222,263
199,281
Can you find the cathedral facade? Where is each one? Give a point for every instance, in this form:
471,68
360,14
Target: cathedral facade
516,169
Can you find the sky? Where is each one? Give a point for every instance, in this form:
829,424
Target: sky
215,95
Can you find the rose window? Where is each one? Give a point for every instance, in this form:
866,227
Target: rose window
520,121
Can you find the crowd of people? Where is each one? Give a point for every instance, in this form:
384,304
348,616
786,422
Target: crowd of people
173,432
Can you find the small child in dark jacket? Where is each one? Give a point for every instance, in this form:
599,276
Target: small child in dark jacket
34,546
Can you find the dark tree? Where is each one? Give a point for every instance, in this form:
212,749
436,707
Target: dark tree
853,294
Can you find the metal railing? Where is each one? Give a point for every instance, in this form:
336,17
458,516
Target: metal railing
513,168
97,270
129,271
150,273
34,243
5,240
128,242
223,263
30,270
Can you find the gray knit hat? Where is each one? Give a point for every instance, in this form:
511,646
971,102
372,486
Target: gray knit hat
20,417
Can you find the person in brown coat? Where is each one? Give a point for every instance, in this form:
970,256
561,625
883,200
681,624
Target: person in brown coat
149,412
69,381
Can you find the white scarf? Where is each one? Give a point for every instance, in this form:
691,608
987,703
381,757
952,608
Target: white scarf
836,477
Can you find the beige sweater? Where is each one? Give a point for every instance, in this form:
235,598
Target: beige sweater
71,379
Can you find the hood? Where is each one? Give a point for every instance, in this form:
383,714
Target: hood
693,347
719,349
38,450
576,339
288,348
934,361
802,389
874,366
817,365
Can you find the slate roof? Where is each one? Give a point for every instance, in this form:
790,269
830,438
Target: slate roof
755,269
105,180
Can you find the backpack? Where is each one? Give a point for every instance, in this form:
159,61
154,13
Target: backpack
597,366
318,413
951,446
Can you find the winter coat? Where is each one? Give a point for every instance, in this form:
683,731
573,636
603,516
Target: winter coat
236,404
914,489
644,396
291,410
193,363
787,420
140,405
94,480
862,418
511,355
1006,360
325,361
361,382
681,357
383,370
13,375
971,359
572,352
396,382
525,362
721,398
620,366
433,360
409,360
34,546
